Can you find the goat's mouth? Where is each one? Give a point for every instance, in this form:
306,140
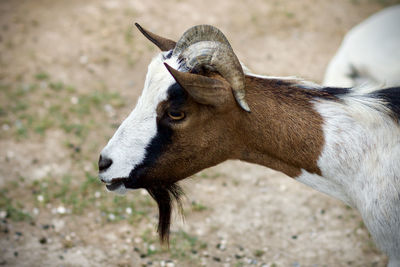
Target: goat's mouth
116,184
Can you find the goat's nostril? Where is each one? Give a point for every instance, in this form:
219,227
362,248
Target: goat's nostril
104,163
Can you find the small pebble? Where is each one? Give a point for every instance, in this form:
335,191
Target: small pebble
74,100
128,210
111,217
252,261
97,194
237,256
152,247
40,198
10,154
61,210
83,59
217,259
88,167
35,211
109,109
3,214
222,245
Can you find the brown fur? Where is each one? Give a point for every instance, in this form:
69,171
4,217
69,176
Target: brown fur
283,131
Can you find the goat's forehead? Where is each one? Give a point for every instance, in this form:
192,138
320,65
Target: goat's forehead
158,80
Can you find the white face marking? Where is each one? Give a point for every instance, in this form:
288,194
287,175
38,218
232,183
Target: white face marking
127,148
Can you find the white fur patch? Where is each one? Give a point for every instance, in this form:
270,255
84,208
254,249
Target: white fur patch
360,165
127,148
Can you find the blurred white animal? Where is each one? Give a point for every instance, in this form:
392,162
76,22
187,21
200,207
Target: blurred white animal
369,53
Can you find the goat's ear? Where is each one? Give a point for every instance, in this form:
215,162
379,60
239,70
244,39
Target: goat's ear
204,90
163,43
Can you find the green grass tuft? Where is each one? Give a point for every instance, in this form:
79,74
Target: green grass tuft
13,209
41,76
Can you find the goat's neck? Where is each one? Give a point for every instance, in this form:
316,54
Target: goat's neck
283,131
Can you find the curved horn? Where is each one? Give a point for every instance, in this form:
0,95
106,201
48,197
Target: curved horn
221,58
197,34
163,43
203,89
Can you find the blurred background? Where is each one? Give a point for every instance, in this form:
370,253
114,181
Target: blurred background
71,71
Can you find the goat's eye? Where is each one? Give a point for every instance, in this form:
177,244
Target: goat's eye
176,115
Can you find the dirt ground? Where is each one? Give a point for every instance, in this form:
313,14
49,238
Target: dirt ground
54,55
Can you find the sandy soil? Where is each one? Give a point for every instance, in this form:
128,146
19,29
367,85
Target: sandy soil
249,208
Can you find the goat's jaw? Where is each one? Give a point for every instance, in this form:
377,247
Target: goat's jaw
121,184
117,186
120,189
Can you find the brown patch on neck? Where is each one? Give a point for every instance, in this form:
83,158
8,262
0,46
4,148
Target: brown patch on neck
283,131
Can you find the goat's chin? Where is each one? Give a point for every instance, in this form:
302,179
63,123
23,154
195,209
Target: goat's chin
117,188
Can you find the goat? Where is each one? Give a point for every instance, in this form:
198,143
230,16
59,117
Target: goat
369,53
199,108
